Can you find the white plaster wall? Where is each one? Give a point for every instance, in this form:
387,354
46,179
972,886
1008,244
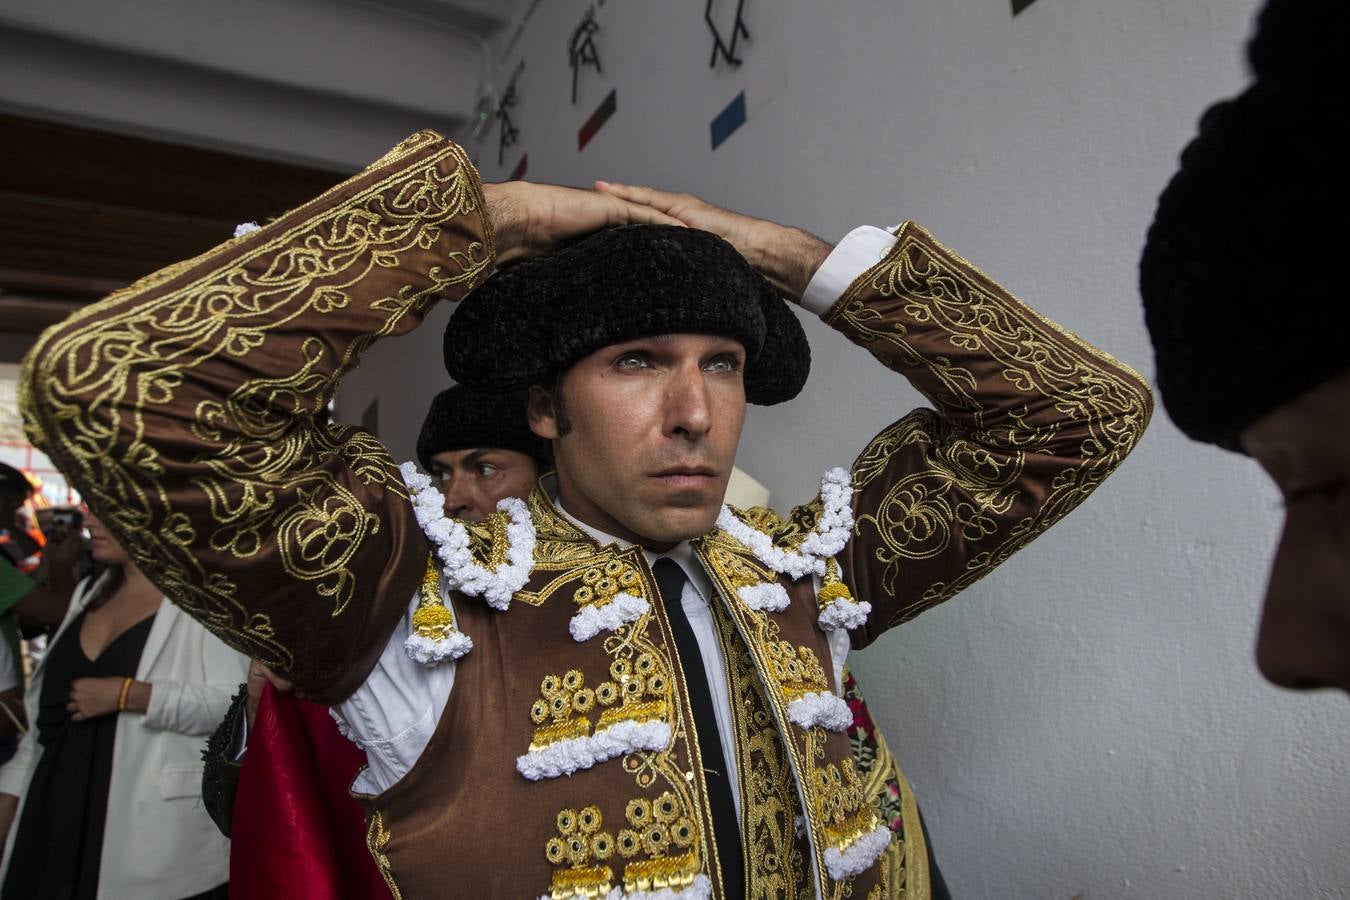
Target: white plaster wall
1086,722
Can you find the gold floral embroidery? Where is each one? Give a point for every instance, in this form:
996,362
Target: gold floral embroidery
640,688
757,633
966,487
842,804
776,865
796,669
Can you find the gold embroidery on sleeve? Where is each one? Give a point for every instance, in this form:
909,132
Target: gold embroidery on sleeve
967,486
271,488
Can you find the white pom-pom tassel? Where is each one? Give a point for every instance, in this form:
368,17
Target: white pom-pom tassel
576,754
845,614
244,228
771,597
858,856
821,708
430,651
593,619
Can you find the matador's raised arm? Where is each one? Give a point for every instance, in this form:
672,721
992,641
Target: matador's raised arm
189,411
1027,420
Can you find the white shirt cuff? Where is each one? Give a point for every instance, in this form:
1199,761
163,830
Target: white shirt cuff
861,249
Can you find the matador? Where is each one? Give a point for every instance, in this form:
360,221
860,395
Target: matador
618,687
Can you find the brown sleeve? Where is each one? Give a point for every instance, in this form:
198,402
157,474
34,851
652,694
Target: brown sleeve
1028,419
190,412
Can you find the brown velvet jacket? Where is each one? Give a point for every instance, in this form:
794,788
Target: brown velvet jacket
188,409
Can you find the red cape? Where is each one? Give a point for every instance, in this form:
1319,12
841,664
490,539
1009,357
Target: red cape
297,833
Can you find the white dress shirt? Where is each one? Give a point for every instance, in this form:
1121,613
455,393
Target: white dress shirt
394,713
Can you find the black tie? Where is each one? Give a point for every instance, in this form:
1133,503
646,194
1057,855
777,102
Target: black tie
670,581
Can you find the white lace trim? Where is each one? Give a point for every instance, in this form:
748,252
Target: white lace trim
825,540
770,597
593,619
845,614
451,538
858,856
344,729
575,754
821,708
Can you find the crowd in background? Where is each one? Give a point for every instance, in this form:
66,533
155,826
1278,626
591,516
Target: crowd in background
109,692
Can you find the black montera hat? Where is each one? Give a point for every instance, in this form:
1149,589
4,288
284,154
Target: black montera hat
1243,294
461,419
541,315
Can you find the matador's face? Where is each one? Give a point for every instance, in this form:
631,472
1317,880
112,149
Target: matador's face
474,480
648,435
1304,445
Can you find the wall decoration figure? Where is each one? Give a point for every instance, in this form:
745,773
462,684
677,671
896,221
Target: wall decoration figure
581,48
727,49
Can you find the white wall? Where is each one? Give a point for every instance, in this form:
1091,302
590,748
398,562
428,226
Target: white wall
1087,722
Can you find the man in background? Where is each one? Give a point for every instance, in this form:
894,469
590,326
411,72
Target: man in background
285,804
1249,317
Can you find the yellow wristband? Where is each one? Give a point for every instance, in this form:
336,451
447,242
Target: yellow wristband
123,694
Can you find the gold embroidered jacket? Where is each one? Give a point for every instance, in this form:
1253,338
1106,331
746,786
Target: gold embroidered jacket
189,410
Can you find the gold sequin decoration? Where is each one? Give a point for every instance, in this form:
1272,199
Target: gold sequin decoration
796,669
842,804
583,847
655,828
561,710
600,584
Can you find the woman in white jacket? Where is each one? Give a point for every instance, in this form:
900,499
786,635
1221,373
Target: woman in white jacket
104,792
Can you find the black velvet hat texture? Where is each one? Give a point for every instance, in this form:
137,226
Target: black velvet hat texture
463,419
1241,277
537,317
